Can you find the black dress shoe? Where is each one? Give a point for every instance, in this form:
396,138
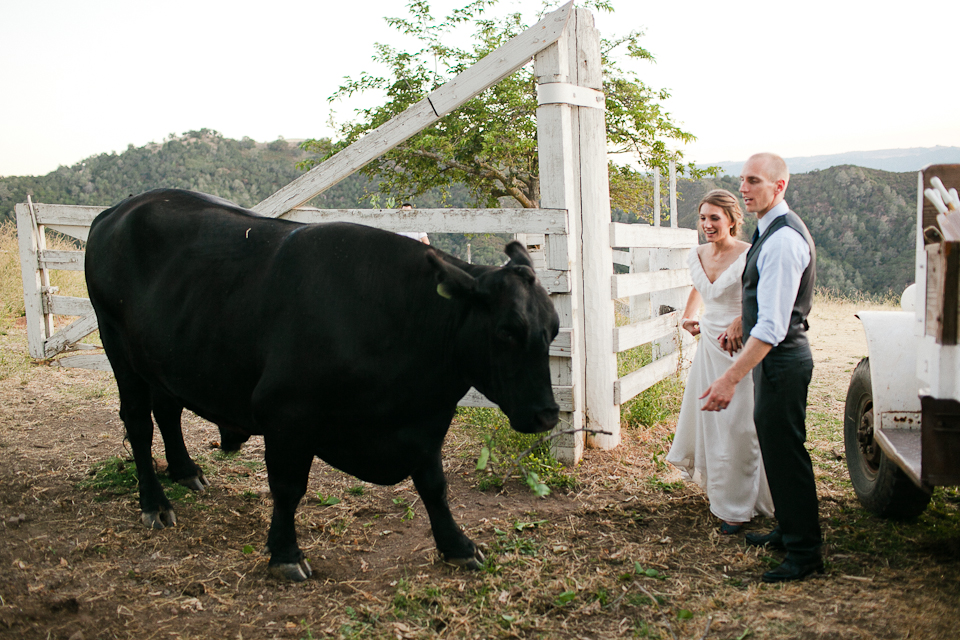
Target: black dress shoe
791,569
773,539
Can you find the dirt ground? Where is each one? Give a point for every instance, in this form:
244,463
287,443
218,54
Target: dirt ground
628,552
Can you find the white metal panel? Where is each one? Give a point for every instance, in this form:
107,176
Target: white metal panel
892,347
936,369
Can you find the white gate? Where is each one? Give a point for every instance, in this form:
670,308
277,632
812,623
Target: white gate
574,224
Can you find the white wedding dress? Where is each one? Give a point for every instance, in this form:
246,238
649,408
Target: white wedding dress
718,449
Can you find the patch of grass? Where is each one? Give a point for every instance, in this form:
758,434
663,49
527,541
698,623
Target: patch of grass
894,542
118,477
655,405
513,543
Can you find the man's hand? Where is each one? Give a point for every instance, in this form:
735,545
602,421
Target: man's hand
731,340
718,395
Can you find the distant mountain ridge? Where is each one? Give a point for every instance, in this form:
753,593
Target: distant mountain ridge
896,160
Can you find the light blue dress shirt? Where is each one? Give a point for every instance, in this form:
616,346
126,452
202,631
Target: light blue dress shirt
783,258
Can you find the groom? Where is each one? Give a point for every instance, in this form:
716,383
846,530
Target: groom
777,296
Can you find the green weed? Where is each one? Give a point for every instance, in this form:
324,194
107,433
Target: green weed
502,450
117,477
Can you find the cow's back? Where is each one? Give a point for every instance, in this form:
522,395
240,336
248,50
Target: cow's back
177,281
208,301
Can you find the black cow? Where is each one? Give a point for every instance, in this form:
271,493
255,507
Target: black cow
334,340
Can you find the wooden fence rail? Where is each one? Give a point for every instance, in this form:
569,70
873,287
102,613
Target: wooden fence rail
43,302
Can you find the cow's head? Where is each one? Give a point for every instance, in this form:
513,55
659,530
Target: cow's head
509,325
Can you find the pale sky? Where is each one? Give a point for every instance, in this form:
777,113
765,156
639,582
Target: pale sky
796,78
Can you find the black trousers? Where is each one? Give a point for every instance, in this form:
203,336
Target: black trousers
780,410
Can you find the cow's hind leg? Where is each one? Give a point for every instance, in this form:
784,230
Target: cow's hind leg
135,403
288,469
168,412
454,546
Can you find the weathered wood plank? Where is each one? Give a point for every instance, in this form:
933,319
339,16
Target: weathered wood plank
621,258
554,281
67,305
95,361
559,158
62,260
502,62
552,221
66,214
30,271
634,335
602,412
497,65
73,332
563,396
562,345
642,379
632,284
373,145
647,237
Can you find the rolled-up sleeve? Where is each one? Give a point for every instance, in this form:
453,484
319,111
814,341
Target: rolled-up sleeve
782,260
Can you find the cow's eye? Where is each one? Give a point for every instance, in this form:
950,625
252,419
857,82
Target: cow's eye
512,334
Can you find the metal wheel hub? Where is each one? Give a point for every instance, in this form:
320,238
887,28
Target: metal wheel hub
868,446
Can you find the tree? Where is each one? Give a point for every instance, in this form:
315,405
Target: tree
490,144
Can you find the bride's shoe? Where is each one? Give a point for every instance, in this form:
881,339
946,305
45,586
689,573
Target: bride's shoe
729,529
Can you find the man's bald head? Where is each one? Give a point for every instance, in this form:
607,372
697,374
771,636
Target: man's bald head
763,182
772,166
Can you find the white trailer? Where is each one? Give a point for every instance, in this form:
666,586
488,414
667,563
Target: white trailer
902,418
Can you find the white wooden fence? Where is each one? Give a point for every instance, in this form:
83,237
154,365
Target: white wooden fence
572,232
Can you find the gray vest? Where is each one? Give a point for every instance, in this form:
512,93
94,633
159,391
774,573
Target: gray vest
796,331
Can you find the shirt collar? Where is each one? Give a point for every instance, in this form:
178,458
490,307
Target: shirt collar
764,223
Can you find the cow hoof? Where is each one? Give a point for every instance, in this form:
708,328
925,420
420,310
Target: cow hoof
158,519
195,483
294,572
474,564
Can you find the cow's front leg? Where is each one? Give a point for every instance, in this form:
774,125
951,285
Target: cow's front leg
288,468
454,546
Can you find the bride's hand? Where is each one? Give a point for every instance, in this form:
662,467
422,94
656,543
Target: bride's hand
731,340
691,326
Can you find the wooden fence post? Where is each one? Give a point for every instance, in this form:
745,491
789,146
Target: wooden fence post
601,410
30,238
560,188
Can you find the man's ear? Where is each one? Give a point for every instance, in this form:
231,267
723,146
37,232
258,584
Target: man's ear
452,282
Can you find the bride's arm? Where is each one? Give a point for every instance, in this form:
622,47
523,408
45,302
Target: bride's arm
690,321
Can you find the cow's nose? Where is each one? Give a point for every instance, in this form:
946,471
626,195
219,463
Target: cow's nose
547,418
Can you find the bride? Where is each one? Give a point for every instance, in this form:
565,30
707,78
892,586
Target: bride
719,450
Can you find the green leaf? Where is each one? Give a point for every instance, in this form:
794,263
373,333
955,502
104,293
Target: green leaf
483,459
247,549
684,614
565,597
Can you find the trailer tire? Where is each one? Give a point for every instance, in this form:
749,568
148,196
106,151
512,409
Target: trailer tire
882,487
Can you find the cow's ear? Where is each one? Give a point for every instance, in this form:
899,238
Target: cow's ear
452,282
518,255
